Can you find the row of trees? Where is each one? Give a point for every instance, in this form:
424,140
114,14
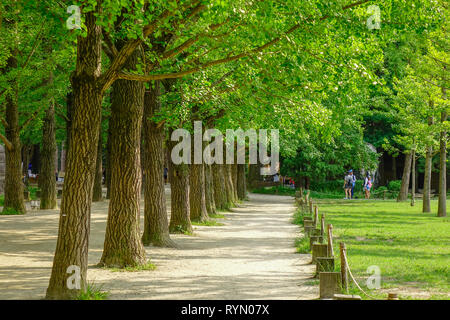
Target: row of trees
139,70
420,109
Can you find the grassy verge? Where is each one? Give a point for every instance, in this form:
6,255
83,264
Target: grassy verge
93,292
217,216
411,248
10,212
208,223
145,267
302,245
279,190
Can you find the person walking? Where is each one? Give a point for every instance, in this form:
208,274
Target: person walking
367,186
353,181
348,181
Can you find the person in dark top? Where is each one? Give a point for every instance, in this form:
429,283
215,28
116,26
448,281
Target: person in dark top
353,182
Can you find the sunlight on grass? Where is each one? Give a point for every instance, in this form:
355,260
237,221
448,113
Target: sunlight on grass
93,292
302,245
410,247
217,216
144,267
208,223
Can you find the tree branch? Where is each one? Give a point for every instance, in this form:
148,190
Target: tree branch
110,44
6,142
146,78
3,121
31,118
125,52
35,44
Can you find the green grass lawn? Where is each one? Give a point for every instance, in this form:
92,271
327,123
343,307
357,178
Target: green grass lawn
412,249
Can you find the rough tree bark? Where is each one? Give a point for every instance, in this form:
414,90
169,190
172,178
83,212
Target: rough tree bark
241,184
254,175
220,197
98,192
442,206
74,222
403,194
13,149
47,176
156,224
426,205
123,246
234,178
209,190
229,184
197,197
108,163
180,220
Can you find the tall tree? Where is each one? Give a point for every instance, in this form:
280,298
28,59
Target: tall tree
403,194
123,246
156,225
48,167
98,181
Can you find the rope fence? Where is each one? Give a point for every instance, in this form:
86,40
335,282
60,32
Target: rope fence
332,284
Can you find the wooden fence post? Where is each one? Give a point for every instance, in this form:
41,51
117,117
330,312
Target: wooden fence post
344,271
316,215
322,225
330,241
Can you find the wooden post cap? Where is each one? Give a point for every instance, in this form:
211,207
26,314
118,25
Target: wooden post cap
392,296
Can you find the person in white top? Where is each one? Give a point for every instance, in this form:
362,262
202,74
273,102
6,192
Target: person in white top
367,186
276,178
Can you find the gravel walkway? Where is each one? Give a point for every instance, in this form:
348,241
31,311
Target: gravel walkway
252,256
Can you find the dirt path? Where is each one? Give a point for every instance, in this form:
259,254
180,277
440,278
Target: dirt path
250,257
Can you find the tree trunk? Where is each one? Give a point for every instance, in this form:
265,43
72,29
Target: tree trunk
442,206
108,163
241,186
180,220
197,196
403,194
98,192
74,222
413,177
69,114
220,197
209,190
123,246
27,153
229,193
426,206
234,178
13,152
254,175
229,184
156,224
47,176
